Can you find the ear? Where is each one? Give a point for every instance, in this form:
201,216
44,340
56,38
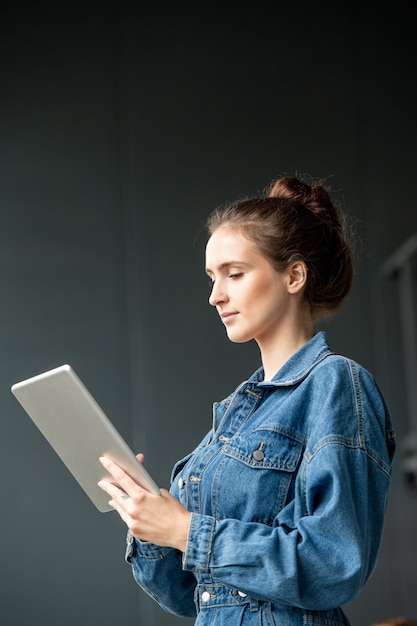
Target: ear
297,276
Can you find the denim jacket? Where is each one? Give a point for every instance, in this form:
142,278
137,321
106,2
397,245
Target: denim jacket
288,493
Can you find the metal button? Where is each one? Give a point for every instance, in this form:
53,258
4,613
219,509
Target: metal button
242,594
258,455
205,596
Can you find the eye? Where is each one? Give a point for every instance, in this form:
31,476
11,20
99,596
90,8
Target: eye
236,276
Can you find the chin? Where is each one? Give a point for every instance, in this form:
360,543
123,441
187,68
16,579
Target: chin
238,339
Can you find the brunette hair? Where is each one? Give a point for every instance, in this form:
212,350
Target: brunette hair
296,220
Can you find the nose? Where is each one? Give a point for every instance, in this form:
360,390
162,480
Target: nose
217,294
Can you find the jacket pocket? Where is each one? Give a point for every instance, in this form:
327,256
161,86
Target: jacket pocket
257,473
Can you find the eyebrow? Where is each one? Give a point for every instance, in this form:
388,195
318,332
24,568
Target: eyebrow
226,264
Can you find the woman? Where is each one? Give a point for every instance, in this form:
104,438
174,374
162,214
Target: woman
276,517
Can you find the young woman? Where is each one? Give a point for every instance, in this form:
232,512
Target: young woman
276,517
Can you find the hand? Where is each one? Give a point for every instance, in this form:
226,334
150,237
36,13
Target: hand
160,519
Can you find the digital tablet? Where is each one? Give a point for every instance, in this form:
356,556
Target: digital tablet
78,430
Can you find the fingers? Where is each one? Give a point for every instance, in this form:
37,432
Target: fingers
115,490
124,483
112,467
160,519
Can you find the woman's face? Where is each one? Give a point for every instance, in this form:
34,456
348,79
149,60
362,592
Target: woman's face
250,296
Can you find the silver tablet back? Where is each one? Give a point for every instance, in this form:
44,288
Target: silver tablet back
78,430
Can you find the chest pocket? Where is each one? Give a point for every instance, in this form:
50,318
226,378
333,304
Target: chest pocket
259,469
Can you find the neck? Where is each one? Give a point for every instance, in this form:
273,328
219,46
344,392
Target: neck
277,353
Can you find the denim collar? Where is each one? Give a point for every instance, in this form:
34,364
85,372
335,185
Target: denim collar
299,365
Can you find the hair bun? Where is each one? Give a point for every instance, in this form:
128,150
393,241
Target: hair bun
314,196
290,187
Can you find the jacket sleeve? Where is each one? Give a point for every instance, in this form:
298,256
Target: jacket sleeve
320,561
158,571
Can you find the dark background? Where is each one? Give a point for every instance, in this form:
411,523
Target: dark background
122,126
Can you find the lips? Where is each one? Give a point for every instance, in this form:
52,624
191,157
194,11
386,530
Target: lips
228,316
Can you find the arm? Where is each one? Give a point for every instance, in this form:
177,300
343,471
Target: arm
321,548
158,527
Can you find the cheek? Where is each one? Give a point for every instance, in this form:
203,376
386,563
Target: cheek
264,291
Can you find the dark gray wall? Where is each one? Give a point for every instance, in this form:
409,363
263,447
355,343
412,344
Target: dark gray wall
122,127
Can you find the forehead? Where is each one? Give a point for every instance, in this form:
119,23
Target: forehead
227,245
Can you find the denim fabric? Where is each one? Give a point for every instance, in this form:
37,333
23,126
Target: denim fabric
288,493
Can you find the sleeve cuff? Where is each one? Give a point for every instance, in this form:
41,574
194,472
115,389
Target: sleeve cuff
199,541
135,547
